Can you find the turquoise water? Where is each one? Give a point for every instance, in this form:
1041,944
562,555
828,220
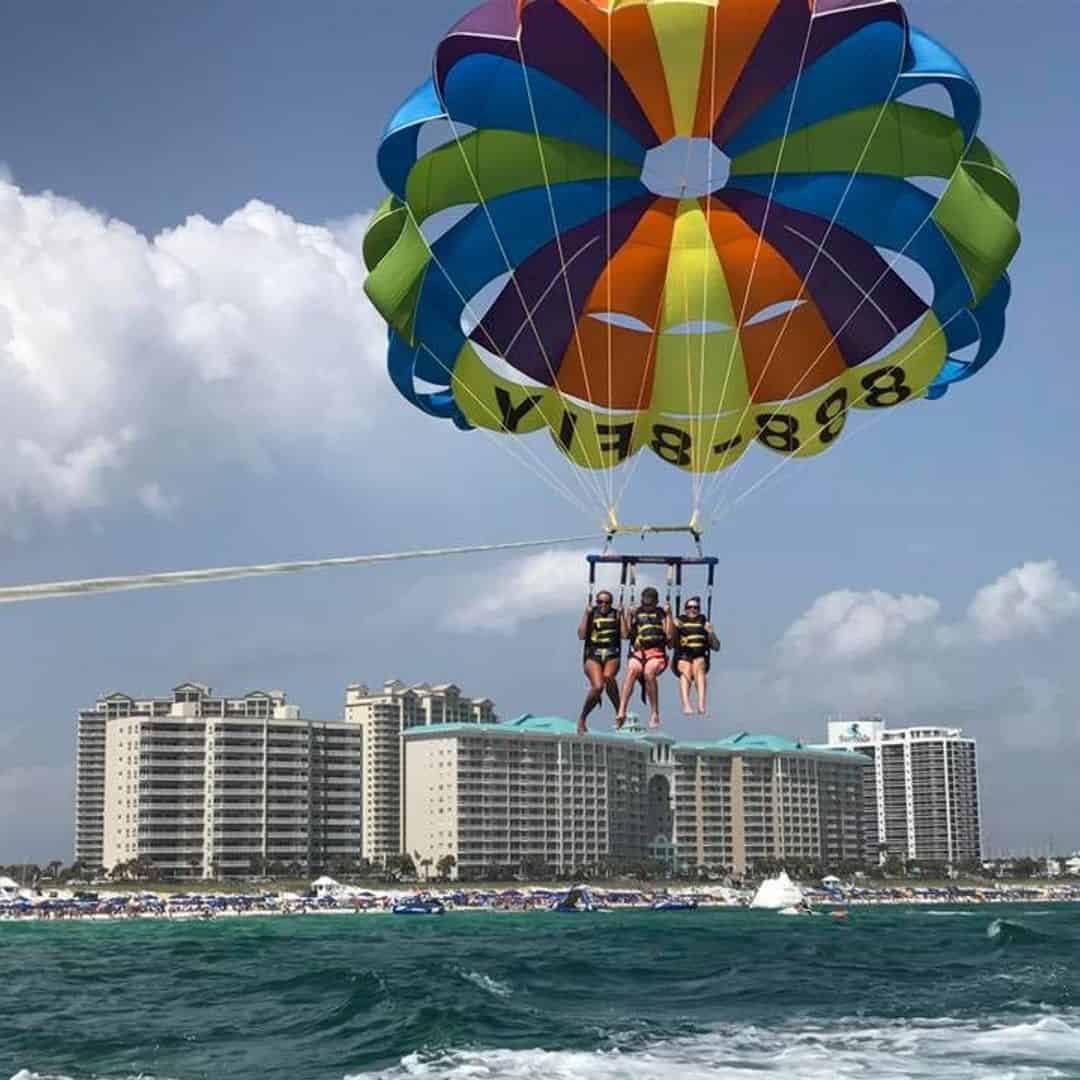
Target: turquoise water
893,992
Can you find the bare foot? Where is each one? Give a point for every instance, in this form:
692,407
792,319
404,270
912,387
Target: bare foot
582,728
687,711
654,722
619,721
702,710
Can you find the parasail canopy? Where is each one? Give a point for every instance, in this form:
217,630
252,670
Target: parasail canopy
688,225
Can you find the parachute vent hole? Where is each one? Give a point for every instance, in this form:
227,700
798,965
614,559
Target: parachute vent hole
438,133
912,274
685,168
933,97
625,322
442,221
480,304
774,311
932,185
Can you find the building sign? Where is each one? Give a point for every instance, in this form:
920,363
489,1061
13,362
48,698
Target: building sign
858,733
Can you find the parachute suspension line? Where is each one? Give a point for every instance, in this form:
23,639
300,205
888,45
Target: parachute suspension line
690,372
553,480
709,591
645,372
15,593
719,489
607,229
866,297
698,474
736,338
740,322
597,490
780,465
537,466
562,259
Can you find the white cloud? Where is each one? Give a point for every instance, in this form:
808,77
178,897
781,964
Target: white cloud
862,652
520,591
524,590
156,501
847,625
1029,599
126,360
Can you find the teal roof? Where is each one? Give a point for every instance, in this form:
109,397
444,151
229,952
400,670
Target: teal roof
527,724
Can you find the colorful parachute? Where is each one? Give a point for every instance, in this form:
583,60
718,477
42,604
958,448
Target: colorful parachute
688,225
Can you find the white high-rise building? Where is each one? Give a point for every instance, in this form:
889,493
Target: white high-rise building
202,786
925,796
383,715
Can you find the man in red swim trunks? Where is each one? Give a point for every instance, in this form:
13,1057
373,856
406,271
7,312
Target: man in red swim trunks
649,630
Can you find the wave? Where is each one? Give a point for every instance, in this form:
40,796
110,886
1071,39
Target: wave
943,1050
1006,932
486,982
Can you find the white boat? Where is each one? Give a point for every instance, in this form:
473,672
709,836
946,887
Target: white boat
775,894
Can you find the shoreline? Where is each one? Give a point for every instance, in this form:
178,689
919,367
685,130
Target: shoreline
136,906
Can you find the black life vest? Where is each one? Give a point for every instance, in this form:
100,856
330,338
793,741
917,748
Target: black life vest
693,637
603,633
648,629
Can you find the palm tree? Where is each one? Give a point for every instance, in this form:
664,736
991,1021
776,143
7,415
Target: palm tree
445,866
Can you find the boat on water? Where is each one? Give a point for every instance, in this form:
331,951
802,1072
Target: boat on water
419,905
674,903
577,901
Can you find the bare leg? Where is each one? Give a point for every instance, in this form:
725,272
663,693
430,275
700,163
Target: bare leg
701,678
684,686
611,669
652,691
633,670
595,676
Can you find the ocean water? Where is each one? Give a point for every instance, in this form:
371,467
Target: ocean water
964,993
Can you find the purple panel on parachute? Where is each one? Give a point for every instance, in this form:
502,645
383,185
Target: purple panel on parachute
535,343
844,273
775,61
772,65
552,42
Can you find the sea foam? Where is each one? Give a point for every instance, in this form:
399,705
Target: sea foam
1044,1049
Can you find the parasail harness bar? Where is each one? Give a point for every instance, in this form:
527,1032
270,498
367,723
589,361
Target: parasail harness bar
674,564
613,527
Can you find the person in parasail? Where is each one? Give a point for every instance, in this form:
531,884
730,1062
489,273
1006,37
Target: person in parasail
601,630
695,641
650,631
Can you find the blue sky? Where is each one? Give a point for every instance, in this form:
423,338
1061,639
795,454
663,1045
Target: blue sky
138,138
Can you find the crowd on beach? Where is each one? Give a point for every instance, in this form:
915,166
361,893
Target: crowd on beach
327,896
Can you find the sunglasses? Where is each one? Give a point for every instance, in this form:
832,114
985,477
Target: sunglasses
693,607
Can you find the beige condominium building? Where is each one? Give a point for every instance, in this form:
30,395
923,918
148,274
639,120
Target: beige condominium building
532,795
748,798
382,715
201,785
924,799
